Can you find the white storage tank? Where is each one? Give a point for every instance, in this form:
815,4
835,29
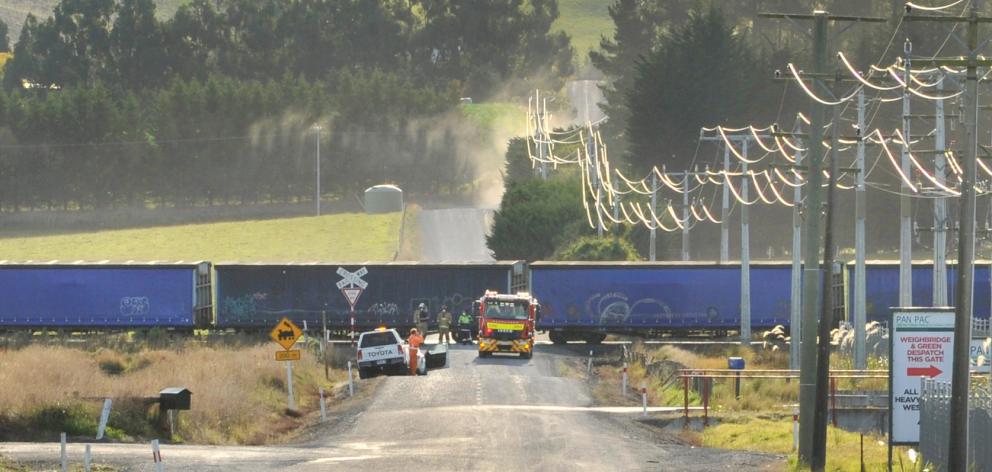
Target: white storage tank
383,199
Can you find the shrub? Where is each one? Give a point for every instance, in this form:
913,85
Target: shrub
592,248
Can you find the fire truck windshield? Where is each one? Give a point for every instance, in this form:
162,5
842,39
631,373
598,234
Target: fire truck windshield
506,310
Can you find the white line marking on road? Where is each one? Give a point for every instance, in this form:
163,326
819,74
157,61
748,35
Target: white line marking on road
342,459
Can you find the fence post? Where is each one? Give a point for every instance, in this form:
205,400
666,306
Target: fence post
795,429
706,401
685,399
623,389
833,400
737,386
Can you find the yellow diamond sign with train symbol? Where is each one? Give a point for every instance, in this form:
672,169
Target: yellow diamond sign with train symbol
286,333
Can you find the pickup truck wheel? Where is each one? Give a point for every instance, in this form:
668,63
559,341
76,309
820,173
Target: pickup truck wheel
364,373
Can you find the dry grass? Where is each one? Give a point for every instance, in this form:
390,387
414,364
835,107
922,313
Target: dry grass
238,394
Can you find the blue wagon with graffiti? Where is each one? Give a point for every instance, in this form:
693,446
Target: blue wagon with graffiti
256,296
105,296
583,300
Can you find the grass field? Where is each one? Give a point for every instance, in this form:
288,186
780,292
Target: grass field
341,237
496,116
585,21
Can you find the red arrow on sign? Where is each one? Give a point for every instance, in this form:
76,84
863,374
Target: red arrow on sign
923,371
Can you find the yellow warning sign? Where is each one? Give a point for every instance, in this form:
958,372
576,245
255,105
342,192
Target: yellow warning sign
293,355
502,326
286,333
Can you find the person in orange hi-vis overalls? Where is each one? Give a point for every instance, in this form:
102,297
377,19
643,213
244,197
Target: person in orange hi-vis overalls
415,340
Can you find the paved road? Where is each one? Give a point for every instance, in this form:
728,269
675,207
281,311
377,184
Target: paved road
585,96
501,413
455,235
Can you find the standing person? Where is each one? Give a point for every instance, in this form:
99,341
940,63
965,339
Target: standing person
415,339
444,325
465,324
421,317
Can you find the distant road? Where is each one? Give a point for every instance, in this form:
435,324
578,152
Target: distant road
585,96
455,235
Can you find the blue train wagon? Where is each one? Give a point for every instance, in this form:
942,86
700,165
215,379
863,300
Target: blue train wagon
105,296
882,287
257,296
586,300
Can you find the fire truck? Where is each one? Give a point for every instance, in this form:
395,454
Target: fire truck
506,323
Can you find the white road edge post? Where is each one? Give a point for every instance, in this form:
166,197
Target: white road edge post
323,407
589,364
623,389
644,397
87,458
104,416
157,456
351,381
62,453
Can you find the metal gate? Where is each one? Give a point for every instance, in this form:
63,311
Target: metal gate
935,413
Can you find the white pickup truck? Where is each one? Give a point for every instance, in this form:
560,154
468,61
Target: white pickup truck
383,350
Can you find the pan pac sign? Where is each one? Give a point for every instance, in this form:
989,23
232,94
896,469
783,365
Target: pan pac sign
922,343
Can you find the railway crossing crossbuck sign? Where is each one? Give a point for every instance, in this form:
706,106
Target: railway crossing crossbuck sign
351,284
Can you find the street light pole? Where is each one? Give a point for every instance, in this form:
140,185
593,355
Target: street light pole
317,130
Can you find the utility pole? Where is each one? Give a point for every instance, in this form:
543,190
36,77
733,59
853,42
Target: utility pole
654,207
593,150
819,459
860,308
940,209
905,205
743,138
725,211
540,134
795,318
958,433
811,270
316,197
685,215
745,257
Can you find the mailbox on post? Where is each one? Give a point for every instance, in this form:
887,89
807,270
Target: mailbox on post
174,398
736,363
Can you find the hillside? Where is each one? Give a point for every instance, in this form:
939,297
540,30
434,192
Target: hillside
340,238
13,12
585,21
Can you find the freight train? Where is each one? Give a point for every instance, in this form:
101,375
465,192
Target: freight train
579,300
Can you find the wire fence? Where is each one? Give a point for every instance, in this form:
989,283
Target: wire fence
935,413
